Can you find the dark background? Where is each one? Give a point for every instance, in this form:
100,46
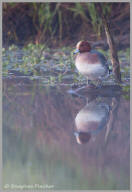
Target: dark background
62,24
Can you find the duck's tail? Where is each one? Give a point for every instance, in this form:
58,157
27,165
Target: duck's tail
110,70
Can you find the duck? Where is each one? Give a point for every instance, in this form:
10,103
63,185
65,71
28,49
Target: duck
90,63
90,120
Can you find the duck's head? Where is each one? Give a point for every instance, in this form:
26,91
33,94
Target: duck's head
82,137
82,46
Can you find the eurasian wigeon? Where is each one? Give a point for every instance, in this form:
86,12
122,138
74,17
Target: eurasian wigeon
90,63
91,120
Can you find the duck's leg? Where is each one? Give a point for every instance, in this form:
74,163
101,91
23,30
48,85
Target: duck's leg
89,83
99,85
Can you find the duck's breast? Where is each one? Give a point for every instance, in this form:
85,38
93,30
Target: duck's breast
90,64
91,116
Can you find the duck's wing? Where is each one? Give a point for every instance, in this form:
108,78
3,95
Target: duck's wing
103,59
104,121
101,56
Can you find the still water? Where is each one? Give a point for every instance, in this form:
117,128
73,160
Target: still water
64,141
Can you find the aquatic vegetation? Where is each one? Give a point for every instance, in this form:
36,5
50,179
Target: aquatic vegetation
60,77
52,66
126,90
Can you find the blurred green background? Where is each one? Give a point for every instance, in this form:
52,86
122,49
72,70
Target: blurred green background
59,24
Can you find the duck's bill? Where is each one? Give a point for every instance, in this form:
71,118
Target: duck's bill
76,133
76,51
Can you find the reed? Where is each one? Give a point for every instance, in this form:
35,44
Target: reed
50,22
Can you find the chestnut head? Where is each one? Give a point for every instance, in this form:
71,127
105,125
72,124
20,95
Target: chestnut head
82,137
82,46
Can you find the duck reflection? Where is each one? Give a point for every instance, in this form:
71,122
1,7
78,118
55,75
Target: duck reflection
90,120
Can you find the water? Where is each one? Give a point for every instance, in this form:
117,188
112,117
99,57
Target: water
61,140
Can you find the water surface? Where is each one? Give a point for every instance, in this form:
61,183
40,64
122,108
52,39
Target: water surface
40,145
